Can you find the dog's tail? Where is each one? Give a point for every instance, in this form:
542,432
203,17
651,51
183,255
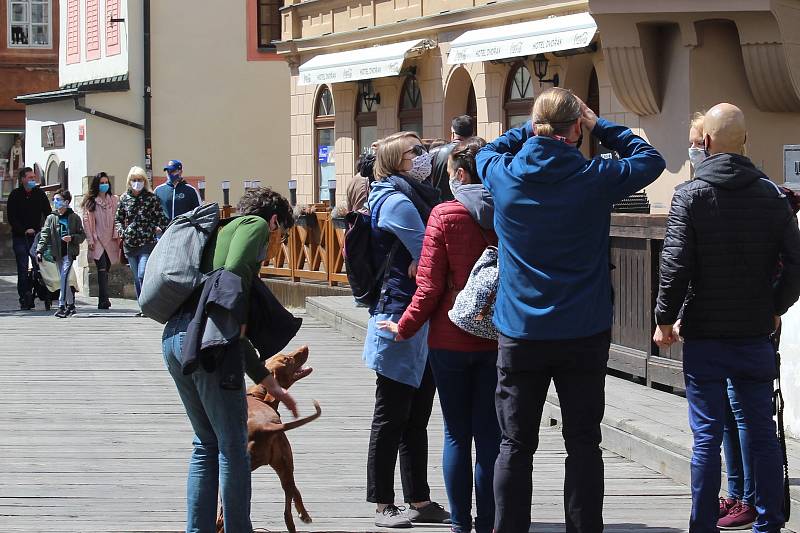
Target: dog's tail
272,428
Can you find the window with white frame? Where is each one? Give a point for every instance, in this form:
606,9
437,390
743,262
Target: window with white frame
29,24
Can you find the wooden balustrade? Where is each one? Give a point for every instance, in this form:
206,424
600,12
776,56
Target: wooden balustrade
311,250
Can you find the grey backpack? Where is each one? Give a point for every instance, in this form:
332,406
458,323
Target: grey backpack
173,268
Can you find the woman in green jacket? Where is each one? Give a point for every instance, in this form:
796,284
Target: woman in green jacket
60,240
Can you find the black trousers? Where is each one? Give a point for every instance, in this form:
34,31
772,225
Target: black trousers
400,424
103,266
524,369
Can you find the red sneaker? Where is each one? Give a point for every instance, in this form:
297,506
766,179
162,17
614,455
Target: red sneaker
740,516
725,505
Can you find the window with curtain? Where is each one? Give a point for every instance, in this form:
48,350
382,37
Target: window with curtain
410,114
519,97
324,121
29,24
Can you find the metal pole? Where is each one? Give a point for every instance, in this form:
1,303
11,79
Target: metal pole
148,140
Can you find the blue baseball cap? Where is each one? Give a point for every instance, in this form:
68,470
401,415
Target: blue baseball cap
174,165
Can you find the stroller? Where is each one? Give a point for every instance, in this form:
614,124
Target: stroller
44,278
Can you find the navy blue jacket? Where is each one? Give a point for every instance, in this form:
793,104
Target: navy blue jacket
177,200
552,218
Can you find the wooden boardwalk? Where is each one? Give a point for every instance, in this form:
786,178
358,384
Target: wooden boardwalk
93,437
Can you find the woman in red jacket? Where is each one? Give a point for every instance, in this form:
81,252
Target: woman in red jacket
463,365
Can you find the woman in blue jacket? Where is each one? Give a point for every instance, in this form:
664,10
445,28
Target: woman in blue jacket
400,202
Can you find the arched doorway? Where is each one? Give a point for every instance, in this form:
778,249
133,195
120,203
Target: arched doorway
459,99
51,176
593,103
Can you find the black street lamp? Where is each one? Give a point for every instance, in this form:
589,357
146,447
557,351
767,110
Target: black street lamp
367,94
540,63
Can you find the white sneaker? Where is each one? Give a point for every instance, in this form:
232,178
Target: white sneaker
392,516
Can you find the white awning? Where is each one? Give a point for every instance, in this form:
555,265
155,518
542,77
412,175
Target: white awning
524,39
363,64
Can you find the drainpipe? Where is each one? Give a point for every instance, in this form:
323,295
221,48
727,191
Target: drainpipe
148,139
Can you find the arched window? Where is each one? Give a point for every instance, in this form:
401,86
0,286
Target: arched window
366,125
410,114
519,97
324,121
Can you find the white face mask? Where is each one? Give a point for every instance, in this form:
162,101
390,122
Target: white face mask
454,185
137,185
697,156
420,167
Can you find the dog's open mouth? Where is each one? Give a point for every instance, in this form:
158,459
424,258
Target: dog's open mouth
303,372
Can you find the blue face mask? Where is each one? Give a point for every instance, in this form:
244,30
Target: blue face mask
174,178
58,203
32,184
104,187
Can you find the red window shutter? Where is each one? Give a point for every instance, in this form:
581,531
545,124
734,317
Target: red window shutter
92,29
112,28
73,32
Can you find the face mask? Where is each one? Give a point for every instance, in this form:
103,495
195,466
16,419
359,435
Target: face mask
697,156
454,185
137,185
104,187
174,178
580,141
59,204
32,184
420,167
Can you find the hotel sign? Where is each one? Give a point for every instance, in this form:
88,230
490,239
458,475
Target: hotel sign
53,136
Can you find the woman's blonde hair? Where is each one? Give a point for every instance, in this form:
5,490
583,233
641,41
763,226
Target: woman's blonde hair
698,119
389,154
139,173
555,112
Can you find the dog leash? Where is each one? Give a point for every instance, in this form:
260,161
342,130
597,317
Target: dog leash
777,409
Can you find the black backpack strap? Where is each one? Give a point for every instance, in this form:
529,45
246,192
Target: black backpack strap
777,407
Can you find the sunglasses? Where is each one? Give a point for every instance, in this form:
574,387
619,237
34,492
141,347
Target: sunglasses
417,149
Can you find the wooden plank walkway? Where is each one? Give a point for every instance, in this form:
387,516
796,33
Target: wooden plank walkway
93,437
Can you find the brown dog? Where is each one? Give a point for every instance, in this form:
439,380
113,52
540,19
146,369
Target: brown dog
266,434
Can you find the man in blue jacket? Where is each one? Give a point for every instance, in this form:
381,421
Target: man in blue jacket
177,197
554,304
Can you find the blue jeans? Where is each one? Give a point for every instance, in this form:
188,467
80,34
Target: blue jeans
219,461
736,446
466,382
22,250
750,366
137,260
65,296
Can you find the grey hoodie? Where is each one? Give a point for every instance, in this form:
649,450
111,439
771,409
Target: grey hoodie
478,201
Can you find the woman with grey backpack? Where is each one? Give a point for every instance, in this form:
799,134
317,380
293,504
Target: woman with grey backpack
463,365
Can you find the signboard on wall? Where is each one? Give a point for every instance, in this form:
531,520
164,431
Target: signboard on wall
53,136
791,165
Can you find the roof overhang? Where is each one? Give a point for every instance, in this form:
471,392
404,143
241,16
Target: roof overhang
69,92
552,34
366,63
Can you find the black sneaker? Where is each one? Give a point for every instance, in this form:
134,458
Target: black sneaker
71,310
433,513
104,304
61,313
392,516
